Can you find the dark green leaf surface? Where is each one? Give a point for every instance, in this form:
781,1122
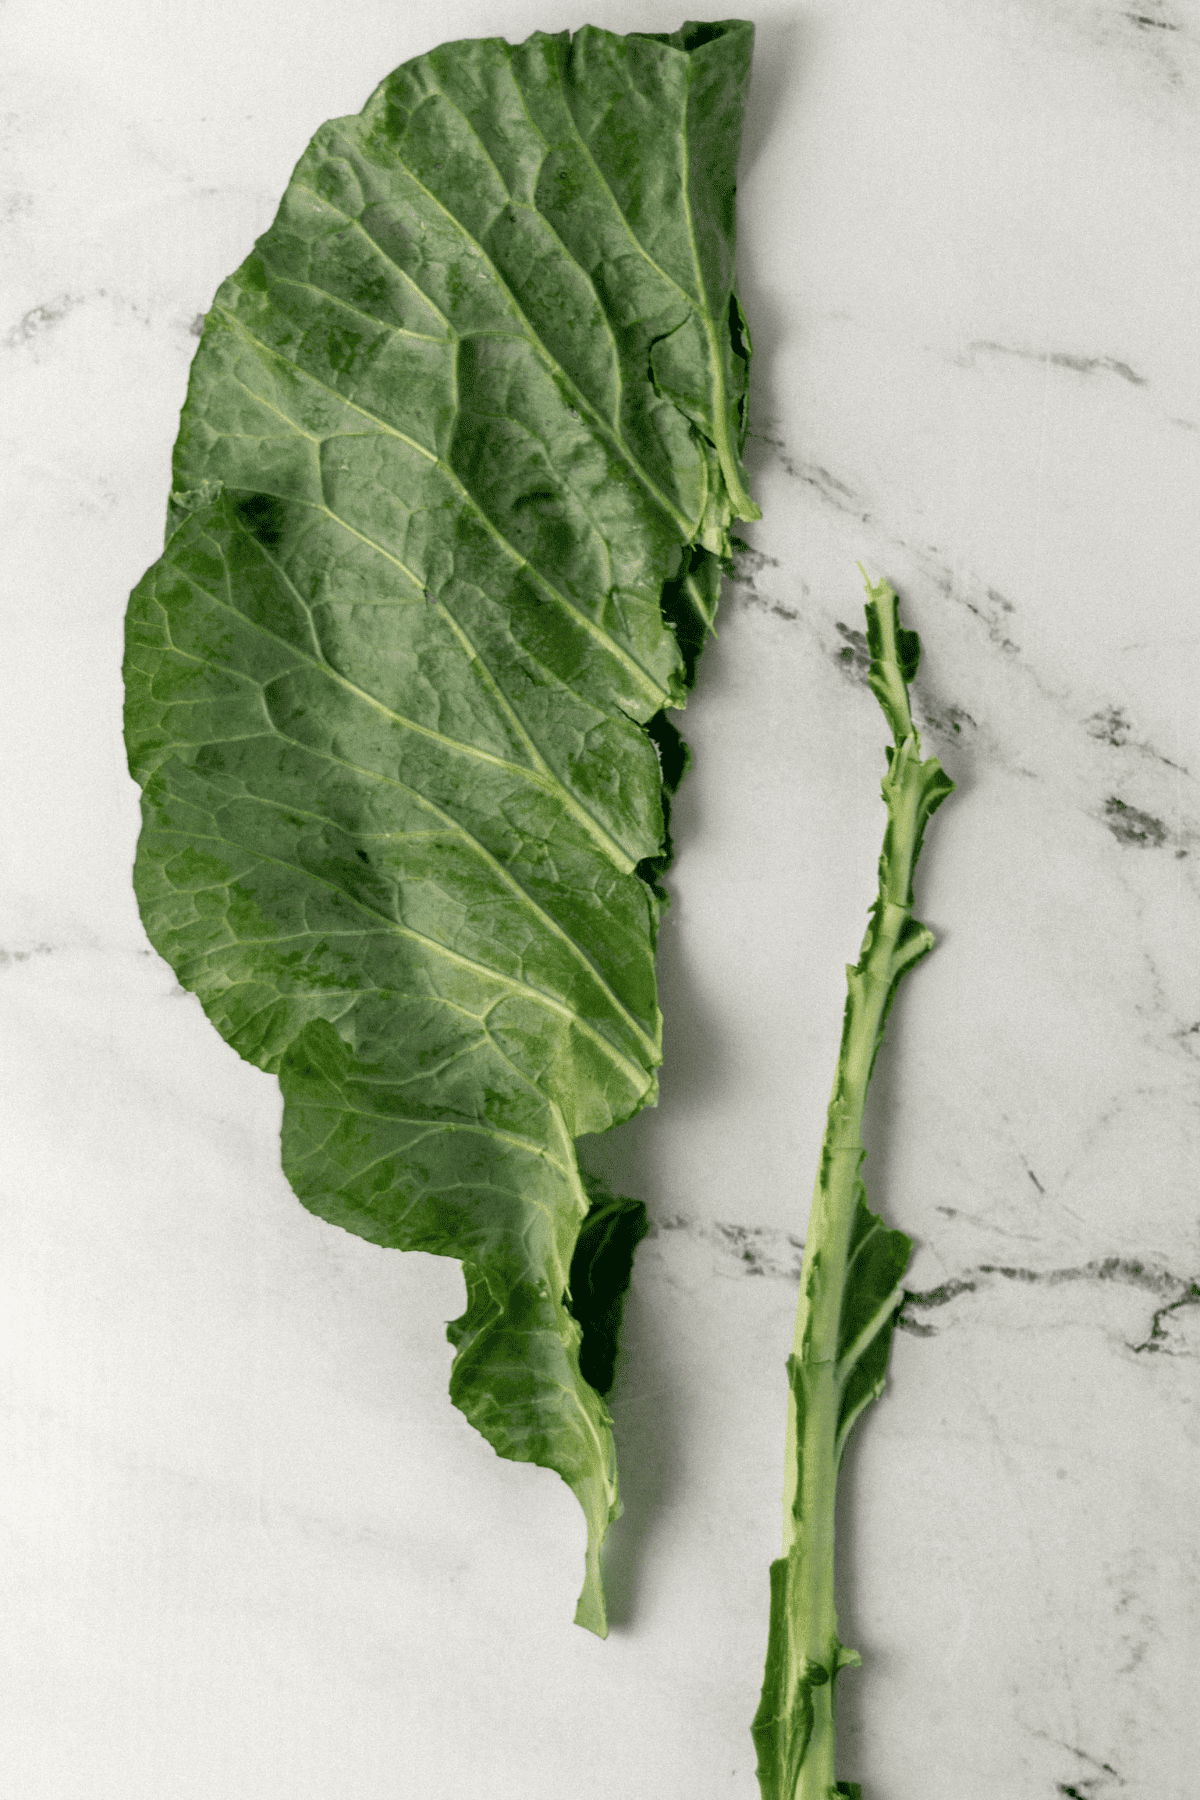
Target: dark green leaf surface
455,474
600,1272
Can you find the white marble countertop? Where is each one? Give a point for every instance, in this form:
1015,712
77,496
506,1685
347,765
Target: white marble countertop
250,1551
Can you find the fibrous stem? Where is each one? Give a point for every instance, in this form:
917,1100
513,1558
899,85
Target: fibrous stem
850,1284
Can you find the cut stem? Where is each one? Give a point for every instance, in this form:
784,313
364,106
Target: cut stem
850,1280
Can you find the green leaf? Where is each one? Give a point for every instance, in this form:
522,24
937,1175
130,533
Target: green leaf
600,1273
878,1257
454,477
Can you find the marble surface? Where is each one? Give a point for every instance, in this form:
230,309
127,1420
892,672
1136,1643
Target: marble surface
250,1552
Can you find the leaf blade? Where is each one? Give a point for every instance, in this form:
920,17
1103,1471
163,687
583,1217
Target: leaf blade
391,686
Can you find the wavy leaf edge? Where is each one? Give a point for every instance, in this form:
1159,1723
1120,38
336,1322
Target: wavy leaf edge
398,687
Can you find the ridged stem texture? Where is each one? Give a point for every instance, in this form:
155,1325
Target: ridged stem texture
850,1285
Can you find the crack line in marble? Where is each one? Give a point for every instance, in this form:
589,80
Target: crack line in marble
1134,827
1083,1756
1125,1271
758,1251
1110,726
8,957
1156,1340
1063,359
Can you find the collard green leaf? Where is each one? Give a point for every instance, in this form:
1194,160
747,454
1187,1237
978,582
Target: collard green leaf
454,477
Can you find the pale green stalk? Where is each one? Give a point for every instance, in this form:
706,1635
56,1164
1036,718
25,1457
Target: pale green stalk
850,1284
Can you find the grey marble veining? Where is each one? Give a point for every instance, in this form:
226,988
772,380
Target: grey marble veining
251,1552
